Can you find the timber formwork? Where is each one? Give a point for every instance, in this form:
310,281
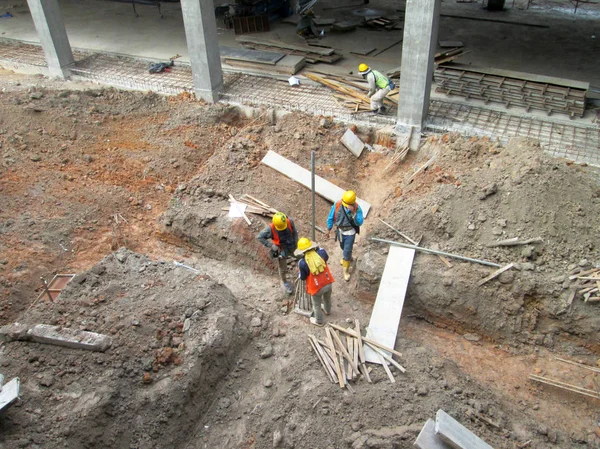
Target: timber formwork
524,93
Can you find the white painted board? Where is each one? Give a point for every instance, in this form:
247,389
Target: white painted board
9,393
455,434
387,310
324,188
427,438
353,143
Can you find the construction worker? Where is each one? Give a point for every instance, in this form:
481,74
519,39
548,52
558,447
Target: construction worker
306,26
347,216
314,270
379,86
281,238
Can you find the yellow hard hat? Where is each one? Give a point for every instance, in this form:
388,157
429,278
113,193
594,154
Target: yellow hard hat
280,221
363,68
349,197
304,244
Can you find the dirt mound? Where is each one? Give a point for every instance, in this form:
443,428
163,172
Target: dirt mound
174,336
476,193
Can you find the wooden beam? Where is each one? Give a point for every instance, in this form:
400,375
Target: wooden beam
565,386
338,369
325,367
302,176
495,274
591,368
344,351
361,351
365,339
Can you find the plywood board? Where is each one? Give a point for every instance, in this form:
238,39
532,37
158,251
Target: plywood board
455,434
323,188
451,44
387,310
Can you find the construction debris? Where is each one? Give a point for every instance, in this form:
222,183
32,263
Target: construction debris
252,206
495,274
514,242
9,393
382,24
449,55
455,434
565,386
302,300
353,143
343,356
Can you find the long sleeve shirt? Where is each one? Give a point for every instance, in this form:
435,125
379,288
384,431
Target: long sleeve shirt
372,80
303,266
288,239
357,218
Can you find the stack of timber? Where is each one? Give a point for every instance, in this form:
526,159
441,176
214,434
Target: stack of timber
351,94
513,89
262,61
342,355
448,55
311,54
587,284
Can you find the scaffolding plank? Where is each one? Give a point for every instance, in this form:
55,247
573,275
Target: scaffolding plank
323,188
387,310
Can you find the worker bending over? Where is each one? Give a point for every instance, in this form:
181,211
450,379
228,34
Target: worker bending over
379,86
281,238
314,270
347,216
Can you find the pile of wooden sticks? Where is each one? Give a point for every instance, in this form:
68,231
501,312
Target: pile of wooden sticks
588,284
343,358
302,300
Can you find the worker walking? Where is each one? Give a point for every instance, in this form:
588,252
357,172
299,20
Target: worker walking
314,270
379,86
281,238
347,216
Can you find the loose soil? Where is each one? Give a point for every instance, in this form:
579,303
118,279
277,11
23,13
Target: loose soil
115,185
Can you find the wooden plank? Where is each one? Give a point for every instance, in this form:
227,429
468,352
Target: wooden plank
386,368
323,188
363,51
325,367
249,55
387,310
495,274
353,143
455,434
338,369
234,203
361,352
451,44
350,347
344,351
365,339
388,358
284,45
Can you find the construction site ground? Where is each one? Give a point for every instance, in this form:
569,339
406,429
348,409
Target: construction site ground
114,186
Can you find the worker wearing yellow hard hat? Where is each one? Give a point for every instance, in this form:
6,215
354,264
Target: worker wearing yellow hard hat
347,216
379,86
314,271
281,237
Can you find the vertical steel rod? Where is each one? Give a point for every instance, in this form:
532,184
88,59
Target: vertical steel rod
312,187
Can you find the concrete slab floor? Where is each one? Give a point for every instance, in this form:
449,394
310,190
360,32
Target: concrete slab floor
565,49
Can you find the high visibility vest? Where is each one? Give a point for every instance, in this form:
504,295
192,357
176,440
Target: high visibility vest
381,81
275,232
353,208
314,283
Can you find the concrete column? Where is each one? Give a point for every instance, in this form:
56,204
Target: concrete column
53,36
416,72
203,47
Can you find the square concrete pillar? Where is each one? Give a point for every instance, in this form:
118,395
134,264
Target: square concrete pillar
418,52
203,47
51,31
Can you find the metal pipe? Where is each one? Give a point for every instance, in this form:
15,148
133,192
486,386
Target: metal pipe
440,253
312,186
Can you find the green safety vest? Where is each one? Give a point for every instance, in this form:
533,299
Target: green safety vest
380,81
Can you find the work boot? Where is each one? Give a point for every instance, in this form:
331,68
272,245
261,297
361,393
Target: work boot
288,288
314,321
346,266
